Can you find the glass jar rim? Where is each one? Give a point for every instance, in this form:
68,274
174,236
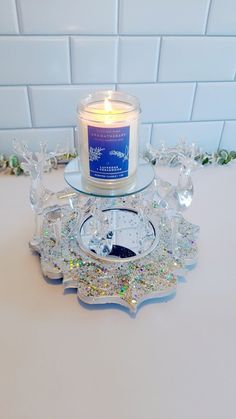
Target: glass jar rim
86,102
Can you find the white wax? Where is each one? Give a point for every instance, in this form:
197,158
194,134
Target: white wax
118,115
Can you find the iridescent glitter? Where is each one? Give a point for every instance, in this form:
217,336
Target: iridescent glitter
125,282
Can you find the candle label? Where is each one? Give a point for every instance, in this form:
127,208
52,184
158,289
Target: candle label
108,152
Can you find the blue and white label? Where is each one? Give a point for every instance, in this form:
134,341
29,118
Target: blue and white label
108,152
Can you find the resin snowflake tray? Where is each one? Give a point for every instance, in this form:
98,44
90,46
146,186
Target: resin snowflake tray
120,248
124,251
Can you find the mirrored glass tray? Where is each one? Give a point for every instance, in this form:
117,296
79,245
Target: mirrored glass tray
143,178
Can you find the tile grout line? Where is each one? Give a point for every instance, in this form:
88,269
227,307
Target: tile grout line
88,84
221,135
59,127
152,123
118,43
193,103
74,137
151,131
70,60
111,34
117,62
19,19
159,59
207,16
53,86
30,108
118,17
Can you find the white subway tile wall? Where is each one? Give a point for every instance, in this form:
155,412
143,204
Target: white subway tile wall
201,132
8,17
229,135
158,17
215,101
55,137
163,102
34,60
133,69
93,59
56,105
177,56
68,16
222,19
14,107
197,59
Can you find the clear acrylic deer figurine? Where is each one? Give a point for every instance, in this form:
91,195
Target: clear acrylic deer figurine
172,200
167,195
41,198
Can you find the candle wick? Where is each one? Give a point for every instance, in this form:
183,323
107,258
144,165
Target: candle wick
107,105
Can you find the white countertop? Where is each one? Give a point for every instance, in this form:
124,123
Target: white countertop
60,359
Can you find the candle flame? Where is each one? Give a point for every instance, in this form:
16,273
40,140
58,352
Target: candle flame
107,105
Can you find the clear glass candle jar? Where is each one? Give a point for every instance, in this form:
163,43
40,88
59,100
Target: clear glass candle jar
108,139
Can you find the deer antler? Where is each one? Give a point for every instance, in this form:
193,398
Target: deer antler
189,160
22,150
39,159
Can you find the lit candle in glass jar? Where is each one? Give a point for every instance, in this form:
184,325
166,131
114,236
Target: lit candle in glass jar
108,139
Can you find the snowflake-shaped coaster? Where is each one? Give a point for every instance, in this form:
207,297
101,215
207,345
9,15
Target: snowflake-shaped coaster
126,281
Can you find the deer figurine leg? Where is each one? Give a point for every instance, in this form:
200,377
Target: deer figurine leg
35,164
36,239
